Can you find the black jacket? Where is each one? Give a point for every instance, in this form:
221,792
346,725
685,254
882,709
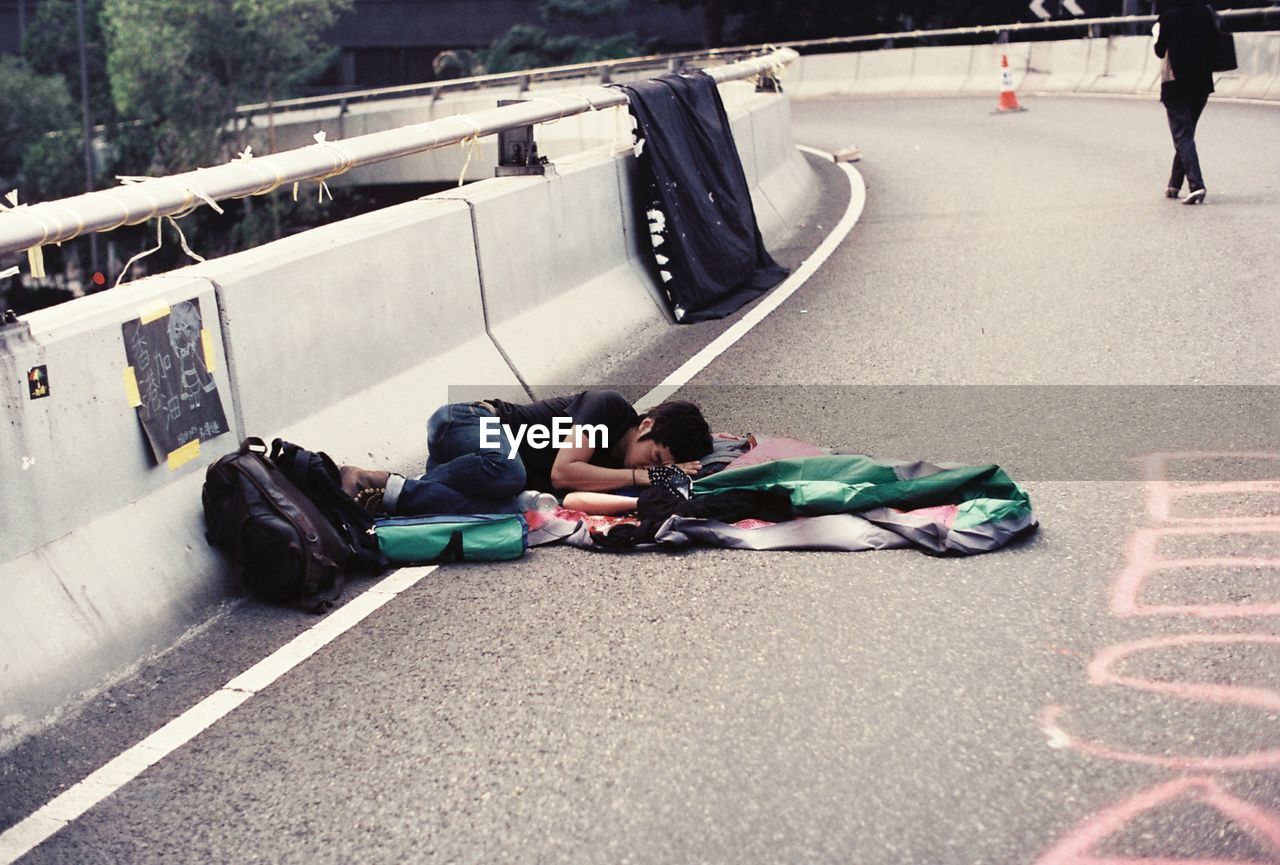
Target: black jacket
1188,32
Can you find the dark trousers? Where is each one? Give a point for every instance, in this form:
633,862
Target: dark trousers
1184,113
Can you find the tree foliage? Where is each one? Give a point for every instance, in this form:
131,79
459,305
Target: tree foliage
39,133
51,46
181,68
529,46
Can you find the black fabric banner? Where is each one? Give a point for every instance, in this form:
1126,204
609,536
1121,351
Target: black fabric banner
706,243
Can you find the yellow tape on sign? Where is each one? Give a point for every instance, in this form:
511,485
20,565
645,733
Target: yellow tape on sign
149,315
210,359
184,454
131,387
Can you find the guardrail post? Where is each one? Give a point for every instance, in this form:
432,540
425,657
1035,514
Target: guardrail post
675,64
606,74
517,151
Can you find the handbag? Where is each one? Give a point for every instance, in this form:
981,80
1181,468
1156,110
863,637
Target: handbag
1224,46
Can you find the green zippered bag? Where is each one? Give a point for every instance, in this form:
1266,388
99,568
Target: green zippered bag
445,538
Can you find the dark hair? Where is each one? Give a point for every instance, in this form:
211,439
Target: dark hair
680,426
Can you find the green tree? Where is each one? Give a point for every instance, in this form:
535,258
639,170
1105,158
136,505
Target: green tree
40,137
51,46
182,68
528,46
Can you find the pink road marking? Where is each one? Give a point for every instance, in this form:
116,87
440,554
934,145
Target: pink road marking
1101,673
1143,558
1076,848
1254,761
1161,492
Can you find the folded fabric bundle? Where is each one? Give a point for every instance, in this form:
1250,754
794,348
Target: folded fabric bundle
841,502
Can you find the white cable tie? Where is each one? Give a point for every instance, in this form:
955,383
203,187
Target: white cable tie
13,271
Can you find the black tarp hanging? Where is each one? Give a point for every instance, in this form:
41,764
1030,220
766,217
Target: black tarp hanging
706,242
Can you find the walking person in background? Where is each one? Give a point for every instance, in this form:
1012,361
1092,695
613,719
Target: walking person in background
1185,37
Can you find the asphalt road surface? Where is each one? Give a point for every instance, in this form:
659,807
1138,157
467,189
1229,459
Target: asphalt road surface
1017,291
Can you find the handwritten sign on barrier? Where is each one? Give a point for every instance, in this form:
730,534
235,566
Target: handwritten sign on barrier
169,380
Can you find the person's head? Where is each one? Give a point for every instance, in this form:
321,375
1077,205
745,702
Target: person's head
671,432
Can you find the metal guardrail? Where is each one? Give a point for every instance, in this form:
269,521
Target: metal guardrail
38,225
604,70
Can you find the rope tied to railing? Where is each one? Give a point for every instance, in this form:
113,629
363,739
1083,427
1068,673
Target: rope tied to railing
471,150
275,176
182,241
346,159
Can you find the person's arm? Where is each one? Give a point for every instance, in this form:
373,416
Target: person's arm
605,504
572,470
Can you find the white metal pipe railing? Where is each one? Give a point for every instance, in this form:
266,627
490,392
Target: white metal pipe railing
56,221
606,68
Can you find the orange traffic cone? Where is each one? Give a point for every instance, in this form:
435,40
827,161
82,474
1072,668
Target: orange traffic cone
1008,98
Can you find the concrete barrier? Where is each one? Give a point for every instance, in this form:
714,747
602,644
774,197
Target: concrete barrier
1114,65
561,248
103,561
771,222
1258,75
886,71
330,329
1060,67
948,68
784,182
1131,67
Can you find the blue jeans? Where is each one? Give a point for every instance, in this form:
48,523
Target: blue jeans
462,476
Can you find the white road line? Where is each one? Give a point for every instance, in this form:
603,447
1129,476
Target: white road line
76,800
19,839
789,286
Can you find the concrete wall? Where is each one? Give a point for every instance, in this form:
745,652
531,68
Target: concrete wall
1111,65
342,338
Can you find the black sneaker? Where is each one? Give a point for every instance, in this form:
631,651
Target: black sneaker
1196,196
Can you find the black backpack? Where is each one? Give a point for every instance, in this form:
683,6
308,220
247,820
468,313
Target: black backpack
316,476
283,547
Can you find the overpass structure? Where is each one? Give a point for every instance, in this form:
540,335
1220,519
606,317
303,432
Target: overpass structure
85,602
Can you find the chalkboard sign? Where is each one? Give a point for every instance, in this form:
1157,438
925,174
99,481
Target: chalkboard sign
170,380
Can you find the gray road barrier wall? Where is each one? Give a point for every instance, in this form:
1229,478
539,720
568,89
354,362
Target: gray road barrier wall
342,338
1111,65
